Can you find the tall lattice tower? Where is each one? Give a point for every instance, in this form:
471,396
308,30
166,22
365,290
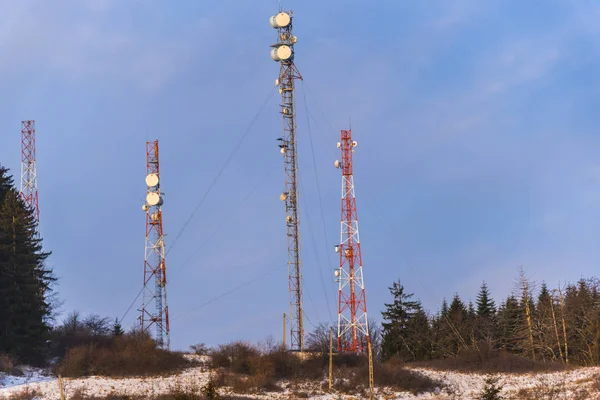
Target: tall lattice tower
29,191
353,326
155,271
283,53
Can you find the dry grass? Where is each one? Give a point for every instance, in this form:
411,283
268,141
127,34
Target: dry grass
545,389
25,394
352,374
128,355
246,369
484,361
176,394
7,365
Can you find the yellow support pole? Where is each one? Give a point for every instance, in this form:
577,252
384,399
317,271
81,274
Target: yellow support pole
330,358
61,388
284,346
371,377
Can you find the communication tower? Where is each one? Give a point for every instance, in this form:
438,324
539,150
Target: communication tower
283,53
155,271
353,326
29,191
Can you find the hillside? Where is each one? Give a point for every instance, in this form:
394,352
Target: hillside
580,383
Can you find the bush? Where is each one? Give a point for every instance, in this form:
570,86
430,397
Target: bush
491,391
238,357
25,394
199,349
132,354
246,369
490,362
7,365
395,375
353,374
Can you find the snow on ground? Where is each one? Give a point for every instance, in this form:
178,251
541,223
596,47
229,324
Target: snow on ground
29,375
575,384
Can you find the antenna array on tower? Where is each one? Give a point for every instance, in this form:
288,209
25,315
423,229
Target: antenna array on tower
155,271
353,326
283,53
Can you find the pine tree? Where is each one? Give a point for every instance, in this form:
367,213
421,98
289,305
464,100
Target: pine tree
457,312
485,325
511,323
485,304
444,309
471,313
24,279
399,331
117,329
543,325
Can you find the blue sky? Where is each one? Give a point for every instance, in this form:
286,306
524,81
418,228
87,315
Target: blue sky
478,148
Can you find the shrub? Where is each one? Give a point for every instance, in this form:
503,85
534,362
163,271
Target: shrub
354,373
25,394
199,349
133,354
238,357
246,369
210,391
491,390
491,361
6,364
394,374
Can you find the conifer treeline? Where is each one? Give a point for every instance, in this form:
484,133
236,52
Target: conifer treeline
560,325
25,281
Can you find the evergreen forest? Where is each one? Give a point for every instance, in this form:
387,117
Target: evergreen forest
555,325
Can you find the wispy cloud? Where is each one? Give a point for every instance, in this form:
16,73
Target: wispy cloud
84,41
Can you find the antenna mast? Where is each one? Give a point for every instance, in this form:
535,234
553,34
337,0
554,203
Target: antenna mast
352,303
29,191
283,52
154,255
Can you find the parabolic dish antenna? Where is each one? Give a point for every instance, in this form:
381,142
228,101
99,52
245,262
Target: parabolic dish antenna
280,20
153,199
152,180
281,53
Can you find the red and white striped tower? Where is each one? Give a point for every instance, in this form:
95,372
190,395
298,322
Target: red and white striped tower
29,191
155,271
353,326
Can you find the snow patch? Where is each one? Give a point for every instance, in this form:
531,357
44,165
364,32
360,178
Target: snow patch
458,385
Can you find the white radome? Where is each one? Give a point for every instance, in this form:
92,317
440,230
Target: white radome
280,20
152,180
281,53
145,207
153,199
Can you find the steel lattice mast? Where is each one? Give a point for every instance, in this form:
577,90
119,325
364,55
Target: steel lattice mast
155,272
29,191
283,52
353,326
